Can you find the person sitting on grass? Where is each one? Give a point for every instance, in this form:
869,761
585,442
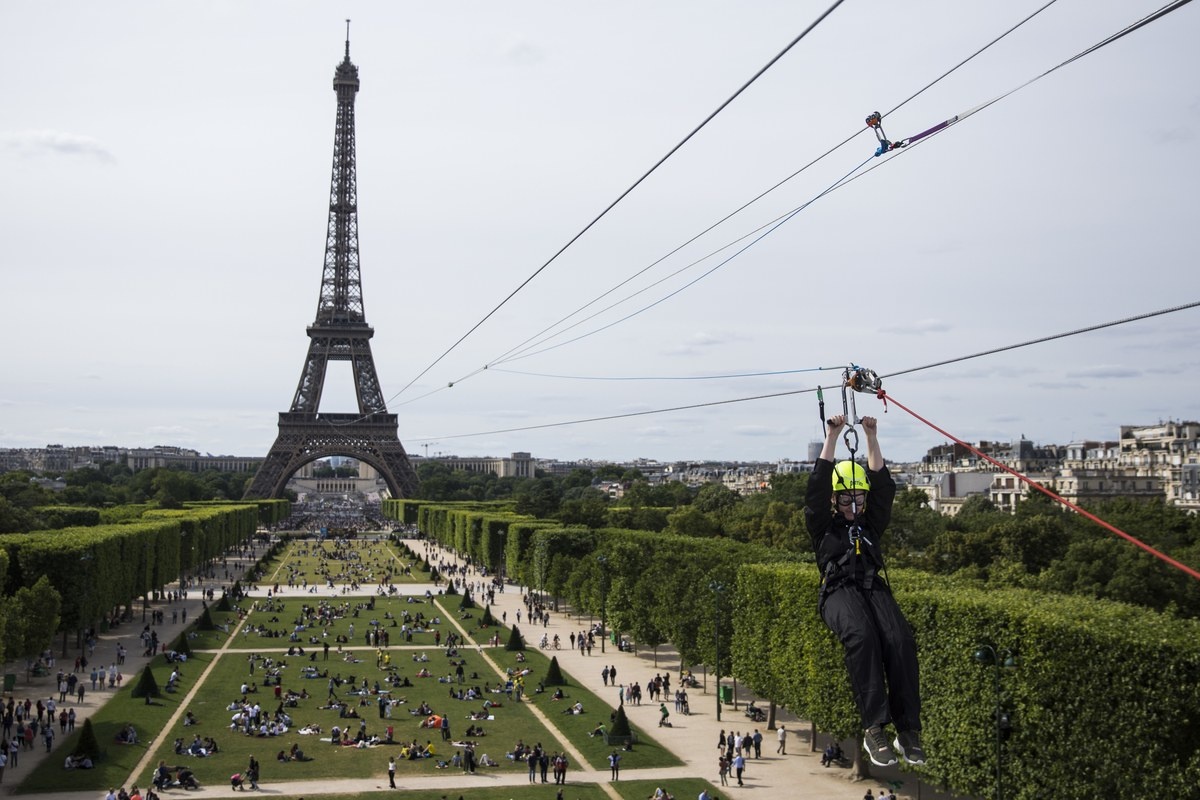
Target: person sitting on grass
598,730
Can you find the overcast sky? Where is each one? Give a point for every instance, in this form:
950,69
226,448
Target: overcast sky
164,180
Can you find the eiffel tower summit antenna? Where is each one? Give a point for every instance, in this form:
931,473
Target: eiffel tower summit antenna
339,333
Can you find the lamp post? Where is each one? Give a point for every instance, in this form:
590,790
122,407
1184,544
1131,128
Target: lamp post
987,655
717,589
603,561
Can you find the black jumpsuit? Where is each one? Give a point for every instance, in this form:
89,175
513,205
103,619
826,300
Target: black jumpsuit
857,604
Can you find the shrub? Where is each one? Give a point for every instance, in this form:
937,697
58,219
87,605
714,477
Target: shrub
554,676
88,745
467,602
620,726
180,645
146,685
205,623
515,640
487,619
223,604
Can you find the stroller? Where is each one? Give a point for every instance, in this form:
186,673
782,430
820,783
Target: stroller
236,780
186,779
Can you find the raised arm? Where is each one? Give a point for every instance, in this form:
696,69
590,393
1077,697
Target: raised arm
874,454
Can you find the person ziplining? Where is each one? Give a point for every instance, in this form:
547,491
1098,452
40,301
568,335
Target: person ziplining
847,509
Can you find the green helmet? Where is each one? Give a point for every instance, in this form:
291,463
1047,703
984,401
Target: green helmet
849,477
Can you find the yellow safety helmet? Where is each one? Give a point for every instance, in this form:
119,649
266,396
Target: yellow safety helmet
849,477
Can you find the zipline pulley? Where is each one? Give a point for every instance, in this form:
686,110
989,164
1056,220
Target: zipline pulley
875,123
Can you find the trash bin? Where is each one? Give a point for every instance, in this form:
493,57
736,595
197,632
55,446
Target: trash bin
726,694
10,681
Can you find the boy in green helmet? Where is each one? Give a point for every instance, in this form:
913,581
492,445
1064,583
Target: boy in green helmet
847,509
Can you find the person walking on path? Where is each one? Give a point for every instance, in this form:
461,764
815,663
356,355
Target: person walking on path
252,773
614,764
782,749
392,772
723,769
757,743
739,766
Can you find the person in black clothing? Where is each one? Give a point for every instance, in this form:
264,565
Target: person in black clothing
847,509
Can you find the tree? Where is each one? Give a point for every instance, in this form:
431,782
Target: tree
620,726
205,623
554,676
33,617
691,521
515,640
146,686
88,745
591,511
539,498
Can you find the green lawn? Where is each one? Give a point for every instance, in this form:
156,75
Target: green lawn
311,561
646,753
513,721
118,760
271,629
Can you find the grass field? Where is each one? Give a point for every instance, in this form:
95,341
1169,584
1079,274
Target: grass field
354,663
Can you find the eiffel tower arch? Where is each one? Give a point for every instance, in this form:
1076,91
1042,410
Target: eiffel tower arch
340,333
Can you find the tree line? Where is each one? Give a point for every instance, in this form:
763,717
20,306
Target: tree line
1042,546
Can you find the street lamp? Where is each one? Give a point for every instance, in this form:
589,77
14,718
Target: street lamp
987,655
717,589
603,561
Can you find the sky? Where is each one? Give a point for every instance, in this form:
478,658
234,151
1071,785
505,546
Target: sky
164,184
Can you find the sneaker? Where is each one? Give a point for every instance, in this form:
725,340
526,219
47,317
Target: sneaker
908,745
877,747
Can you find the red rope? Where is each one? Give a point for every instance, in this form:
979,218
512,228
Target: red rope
1163,556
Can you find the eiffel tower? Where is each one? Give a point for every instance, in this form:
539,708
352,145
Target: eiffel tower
340,333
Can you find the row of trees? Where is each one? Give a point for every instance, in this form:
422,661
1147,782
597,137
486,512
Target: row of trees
1091,676
1042,546
106,486
67,568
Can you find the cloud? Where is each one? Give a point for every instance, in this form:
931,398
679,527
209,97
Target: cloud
1072,385
754,430
523,54
32,144
1177,135
1105,371
697,343
918,328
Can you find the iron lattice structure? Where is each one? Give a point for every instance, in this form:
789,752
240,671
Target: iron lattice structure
340,333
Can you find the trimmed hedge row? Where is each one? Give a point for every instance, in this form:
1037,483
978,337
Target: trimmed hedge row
1105,698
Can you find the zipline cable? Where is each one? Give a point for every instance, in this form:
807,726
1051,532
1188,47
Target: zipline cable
623,194
665,377
1043,339
913,140
888,398
518,348
793,392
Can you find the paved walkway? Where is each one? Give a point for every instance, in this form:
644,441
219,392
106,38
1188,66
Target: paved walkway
693,738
